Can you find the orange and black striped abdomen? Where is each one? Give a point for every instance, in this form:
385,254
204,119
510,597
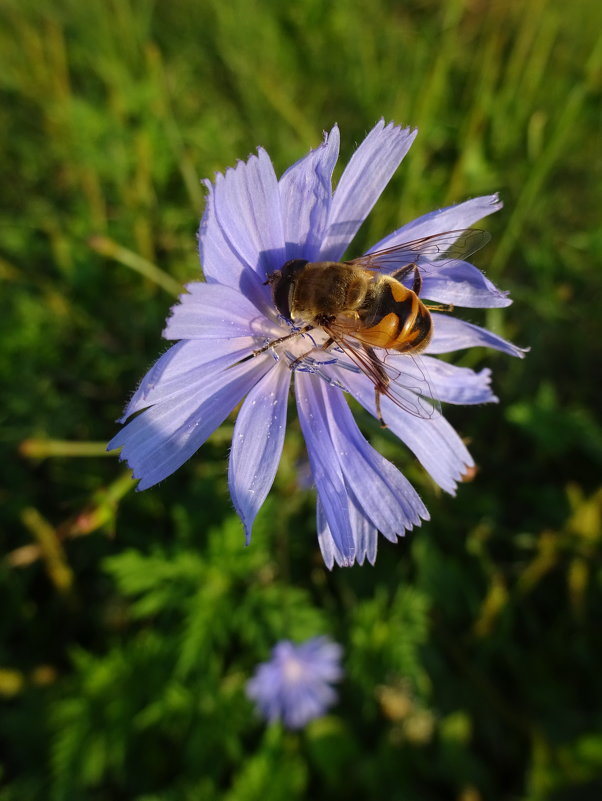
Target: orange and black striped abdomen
396,318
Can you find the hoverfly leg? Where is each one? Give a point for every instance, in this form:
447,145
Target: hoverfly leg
399,275
299,359
417,284
381,382
379,414
278,341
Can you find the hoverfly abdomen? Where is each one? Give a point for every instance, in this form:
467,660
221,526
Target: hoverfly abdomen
417,332
394,317
386,297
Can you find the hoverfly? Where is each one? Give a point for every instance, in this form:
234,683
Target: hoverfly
372,302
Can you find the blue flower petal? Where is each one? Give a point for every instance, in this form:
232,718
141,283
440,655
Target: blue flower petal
461,284
365,535
456,282
451,333
257,444
213,311
248,210
182,365
328,546
368,172
433,440
325,656
163,437
377,488
449,383
324,462
451,218
221,262
294,686
306,192
379,496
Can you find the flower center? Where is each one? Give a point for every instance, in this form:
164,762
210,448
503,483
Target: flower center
293,670
309,352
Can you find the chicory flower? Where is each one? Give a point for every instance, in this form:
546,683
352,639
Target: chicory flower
295,685
252,225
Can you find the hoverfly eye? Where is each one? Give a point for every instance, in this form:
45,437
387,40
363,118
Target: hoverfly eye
283,284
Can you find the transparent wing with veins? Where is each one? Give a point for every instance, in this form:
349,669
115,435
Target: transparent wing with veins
411,390
429,253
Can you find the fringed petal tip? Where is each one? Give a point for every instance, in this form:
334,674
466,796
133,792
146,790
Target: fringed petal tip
330,560
368,542
405,130
121,457
259,154
327,134
520,353
496,201
366,537
362,182
461,477
503,298
486,376
490,203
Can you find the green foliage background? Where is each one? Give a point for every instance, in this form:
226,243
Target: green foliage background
130,622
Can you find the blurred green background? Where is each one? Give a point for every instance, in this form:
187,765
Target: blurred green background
131,622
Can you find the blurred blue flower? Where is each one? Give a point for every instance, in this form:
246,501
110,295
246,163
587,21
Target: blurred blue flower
295,685
253,223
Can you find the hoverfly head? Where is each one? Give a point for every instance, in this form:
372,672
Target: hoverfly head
283,283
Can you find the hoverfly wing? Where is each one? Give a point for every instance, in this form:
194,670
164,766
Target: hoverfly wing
429,252
409,389
414,375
